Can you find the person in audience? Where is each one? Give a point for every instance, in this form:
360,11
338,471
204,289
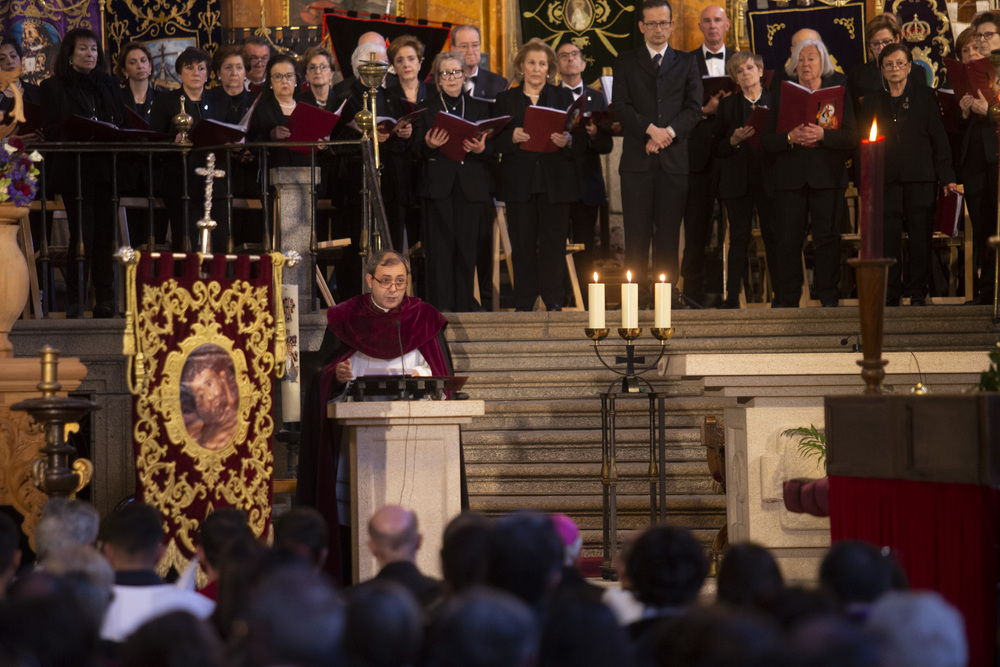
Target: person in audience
63,523
744,187
394,539
525,558
794,605
453,191
81,86
464,552
537,187
10,552
383,625
87,573
583,632
920,628
135,69
216,534
303,531
748,576
173,639
917,164
572,585
810,176
716,637
829,641
868,77
483,627
257,54
132,541
856,574
242,565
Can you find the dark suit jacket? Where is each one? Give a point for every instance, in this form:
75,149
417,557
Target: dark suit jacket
702,138
425,589
519,168
587,152
128,100
916,145
168,104
438,174
488,85
742,167
866,78
669,97
822,166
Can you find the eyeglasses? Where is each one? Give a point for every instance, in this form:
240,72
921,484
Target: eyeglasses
387,282
892,66
318,68
881,44
283,77
451,73
471,46
986,35
657,25
569,55
259,59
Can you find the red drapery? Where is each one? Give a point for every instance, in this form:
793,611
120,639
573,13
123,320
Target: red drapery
944,535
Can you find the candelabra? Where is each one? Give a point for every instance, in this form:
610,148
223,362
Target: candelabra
630,376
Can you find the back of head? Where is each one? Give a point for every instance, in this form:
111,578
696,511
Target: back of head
580,632
794,605
569,534
482,628
175,639
748,574
220,529
525,556
294,618
302,530
394,534
855,572
920,629
88,573
717,637
464,551
134,529
65,522
666,567
383,626
830,641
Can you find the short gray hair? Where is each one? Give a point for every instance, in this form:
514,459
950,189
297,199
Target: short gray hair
363,52
920,629
65,522
824,56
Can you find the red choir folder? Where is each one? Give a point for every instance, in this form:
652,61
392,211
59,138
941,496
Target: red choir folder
801,106
542,122
713,85
767,78
972,78
459,130
78,128
210,132
309,123
756,120
951,112
134,120
948,217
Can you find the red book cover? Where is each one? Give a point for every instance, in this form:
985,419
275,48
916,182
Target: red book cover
209,132
767,78
540,123
135,121
801,106
972,78
948,216
459,130
309,123
756,120
388,123
713,85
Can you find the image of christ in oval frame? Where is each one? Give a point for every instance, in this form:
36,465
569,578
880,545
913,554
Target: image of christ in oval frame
210,397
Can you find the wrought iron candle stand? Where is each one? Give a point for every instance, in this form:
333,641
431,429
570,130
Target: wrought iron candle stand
630,377
53,474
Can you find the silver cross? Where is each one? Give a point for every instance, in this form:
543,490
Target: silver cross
206,224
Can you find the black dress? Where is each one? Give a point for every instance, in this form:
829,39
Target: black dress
401,169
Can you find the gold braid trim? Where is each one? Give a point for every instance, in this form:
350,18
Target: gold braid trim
131,345
280,347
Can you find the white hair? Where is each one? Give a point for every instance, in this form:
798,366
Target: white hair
920,629
824,57
363,52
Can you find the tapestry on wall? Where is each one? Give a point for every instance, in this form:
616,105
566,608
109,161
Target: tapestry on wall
927,31
841,26
202,349
39,28
166,27
602,29
343,28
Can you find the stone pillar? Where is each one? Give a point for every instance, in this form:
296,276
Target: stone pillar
294,225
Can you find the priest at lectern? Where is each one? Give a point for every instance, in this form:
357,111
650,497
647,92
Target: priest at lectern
384,332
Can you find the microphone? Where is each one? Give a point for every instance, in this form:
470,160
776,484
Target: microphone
399,337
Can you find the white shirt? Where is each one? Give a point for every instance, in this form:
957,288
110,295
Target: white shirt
576,95
469,84
132,606
716,66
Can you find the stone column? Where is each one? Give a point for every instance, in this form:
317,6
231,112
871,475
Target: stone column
294,227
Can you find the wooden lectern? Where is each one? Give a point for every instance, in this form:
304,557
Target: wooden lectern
404,453
920,475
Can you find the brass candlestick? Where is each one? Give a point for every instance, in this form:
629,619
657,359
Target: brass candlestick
371,73
596,335
183,123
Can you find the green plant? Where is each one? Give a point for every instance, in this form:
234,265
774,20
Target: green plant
812,442
990,379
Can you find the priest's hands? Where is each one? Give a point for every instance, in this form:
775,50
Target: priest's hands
344,372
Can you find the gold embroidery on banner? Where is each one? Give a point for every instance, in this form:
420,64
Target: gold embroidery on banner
847,23
580,19
941,42
772,30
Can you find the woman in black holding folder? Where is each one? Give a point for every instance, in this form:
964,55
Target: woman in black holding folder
810,176
538,187
454,192
270,119
917,157
82,86
743,187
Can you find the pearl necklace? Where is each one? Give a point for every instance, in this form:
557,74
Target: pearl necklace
287,106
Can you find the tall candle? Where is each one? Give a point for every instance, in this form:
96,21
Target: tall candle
870,193
595,302
661,299
630,303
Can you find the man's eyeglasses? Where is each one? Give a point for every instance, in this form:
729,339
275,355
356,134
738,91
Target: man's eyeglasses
472,46
283,77
881,45
657,25
318,68
257,60
386,282
986,35
452,73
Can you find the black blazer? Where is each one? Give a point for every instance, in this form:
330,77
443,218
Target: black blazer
587,152
234,106
168,104
518,168
488,85
742,167
669,97
438,174
144,109
866,78
266,117
702,137
822,166
396,98
87,95
916,145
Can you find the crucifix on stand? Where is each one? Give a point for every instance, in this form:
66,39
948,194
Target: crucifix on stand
206,224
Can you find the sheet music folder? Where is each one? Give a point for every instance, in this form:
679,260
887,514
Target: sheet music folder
404,387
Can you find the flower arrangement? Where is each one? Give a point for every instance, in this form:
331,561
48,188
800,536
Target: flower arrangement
18,173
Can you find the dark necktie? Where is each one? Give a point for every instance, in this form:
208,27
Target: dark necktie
656,61
720,55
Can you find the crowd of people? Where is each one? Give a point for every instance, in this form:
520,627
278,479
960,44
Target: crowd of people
511,595
682,152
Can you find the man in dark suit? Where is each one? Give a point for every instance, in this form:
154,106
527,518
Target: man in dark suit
588,146
657,98
703,177
394,538
479,81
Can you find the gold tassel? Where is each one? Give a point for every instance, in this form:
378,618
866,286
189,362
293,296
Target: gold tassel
131,345
280,349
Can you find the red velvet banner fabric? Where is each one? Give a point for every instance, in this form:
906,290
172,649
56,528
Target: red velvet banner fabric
203,420
944,535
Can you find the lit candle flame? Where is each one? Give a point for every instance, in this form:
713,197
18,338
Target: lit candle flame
628,276
595,276
873,135
663,278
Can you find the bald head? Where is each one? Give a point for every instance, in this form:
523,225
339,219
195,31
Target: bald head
372,38
713,24
805,33
393,535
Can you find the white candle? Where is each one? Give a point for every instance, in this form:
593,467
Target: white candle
630,304
291,385
595,298
661,295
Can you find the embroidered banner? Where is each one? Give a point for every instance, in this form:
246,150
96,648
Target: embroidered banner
927,31
602,29
842,28
203,351
40,26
